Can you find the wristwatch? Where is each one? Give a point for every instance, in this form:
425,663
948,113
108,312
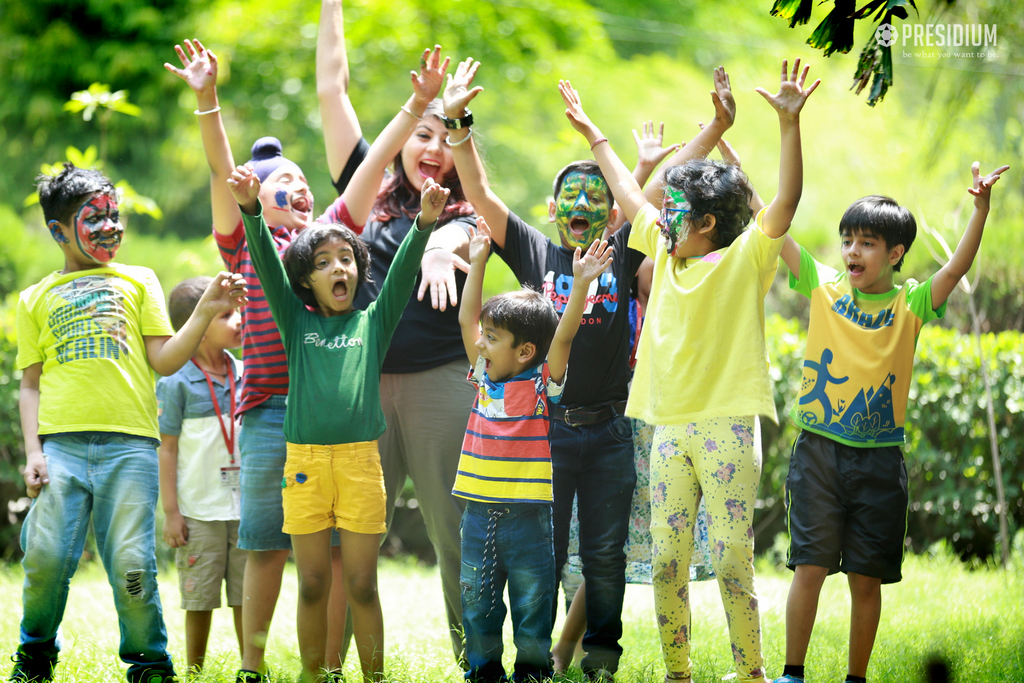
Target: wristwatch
455,124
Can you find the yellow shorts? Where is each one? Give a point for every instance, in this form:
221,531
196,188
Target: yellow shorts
338,486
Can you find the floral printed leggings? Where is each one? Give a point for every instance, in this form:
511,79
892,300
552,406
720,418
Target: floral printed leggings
720,457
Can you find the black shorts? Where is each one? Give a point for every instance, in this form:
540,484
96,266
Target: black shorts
847,507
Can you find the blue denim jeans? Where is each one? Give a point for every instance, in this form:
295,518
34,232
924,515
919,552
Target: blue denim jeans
507,542
113,478
594,463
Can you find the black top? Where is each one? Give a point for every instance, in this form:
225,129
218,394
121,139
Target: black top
425,338
598,371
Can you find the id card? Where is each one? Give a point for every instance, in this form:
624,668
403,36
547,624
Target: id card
230,477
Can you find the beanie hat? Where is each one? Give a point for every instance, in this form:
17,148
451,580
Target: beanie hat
267,158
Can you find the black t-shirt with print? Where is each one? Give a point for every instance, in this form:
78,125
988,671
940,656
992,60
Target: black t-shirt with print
598,371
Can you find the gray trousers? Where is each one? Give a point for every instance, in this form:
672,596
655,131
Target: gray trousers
427,414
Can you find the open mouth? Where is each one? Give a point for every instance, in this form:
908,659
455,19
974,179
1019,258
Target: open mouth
340,290
301,204
578,226
430,169
854,269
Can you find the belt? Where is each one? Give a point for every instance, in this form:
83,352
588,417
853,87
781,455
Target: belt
587,415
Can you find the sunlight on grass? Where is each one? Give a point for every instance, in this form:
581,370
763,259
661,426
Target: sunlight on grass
970,617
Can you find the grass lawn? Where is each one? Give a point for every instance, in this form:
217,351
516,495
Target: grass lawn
972,618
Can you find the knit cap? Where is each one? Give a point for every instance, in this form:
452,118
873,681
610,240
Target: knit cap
267,158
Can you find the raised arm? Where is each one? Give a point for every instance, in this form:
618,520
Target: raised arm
791,255
472,291
361,192
457,96
627,192
788,102
701,145
340,123
167,355
730,156
199,71
649,153
949,275
584,271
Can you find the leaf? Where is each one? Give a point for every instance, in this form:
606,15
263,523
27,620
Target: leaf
31,200
868,9
797,11
131,201
835,32
86,159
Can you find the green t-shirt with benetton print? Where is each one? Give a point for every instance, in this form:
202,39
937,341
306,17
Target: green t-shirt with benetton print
334,363
860,355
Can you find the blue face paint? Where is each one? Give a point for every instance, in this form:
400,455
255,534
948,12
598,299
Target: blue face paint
301,477
55,231
281,197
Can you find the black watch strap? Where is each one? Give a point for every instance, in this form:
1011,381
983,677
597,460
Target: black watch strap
455,124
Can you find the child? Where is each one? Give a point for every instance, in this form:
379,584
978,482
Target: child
701,376
199,468
505,468
591,439
289,205
89,339
332,477
846,492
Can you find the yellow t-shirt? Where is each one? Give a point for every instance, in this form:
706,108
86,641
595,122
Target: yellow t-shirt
702,352
87,329
860,355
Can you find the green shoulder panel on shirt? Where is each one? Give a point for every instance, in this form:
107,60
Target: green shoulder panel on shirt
919,299
812,274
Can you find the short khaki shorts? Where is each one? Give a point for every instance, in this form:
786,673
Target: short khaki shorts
340,486
210,557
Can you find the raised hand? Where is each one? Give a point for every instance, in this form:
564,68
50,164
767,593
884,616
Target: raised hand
982,189
721,97
245,187
433,198
729,155
595,261
479,242
457,94
792,95
199,66
574,112
426,83
227,292
649,150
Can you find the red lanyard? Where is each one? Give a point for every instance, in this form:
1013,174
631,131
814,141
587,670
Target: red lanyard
229,441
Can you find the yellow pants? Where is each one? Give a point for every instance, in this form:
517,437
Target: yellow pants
721,458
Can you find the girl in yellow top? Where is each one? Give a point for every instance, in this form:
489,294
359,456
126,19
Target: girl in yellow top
702,373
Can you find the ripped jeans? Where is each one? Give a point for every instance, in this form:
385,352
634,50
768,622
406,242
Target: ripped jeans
113,478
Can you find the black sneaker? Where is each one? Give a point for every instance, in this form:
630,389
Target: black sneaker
34,665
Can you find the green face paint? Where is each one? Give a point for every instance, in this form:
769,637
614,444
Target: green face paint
582,209
675,225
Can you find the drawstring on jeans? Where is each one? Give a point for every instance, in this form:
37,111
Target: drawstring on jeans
491,550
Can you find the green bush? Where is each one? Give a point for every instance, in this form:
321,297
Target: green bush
952,490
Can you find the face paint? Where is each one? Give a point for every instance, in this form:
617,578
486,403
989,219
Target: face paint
98,228
281,197
673,220
58,236
582,209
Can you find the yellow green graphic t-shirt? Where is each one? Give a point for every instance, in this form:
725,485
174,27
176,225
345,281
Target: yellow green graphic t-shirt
860,355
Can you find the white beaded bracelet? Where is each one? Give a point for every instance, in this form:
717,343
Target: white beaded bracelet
212,111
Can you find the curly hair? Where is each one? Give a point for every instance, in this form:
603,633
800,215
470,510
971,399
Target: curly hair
714,189
884,218
298,258
397,196
528,315
61,195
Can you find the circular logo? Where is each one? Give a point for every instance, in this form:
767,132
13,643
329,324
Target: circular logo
886,35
